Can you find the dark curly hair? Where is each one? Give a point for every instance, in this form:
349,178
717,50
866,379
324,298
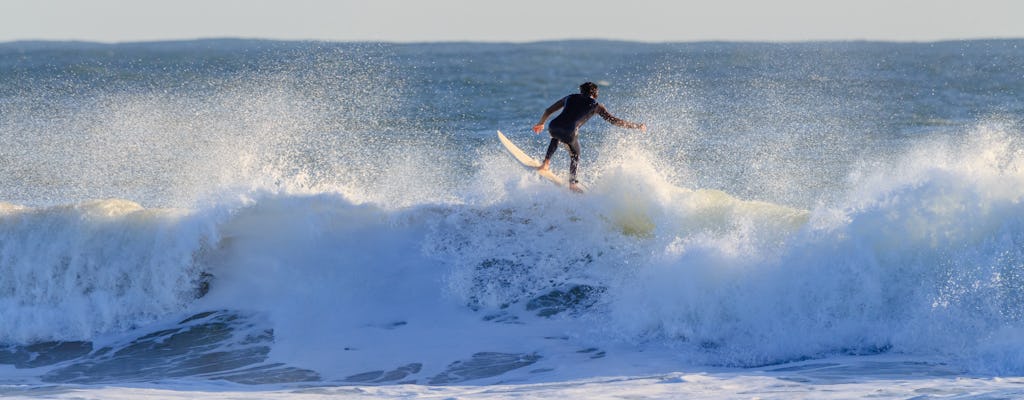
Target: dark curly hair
588,89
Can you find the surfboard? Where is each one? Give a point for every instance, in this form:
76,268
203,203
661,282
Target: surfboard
530,162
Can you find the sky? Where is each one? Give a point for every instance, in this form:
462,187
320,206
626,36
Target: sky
511,20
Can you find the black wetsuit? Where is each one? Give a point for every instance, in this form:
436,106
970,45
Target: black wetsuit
577,109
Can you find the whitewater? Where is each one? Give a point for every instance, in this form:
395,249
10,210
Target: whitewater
260,219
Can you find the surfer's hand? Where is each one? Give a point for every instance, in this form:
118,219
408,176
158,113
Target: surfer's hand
643,128
537,128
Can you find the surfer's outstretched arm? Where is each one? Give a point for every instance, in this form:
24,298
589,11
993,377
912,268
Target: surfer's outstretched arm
547,113
603,112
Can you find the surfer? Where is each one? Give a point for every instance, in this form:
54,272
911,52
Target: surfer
576,110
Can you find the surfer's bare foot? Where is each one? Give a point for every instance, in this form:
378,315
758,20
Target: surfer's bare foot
575,187
545,166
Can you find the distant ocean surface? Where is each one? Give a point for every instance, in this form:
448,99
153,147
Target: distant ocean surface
263,219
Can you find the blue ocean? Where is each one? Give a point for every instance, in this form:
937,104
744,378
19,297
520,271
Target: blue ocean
268,219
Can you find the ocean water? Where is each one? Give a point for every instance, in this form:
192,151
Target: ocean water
260,219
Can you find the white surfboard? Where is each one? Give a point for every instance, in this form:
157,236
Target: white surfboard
530,162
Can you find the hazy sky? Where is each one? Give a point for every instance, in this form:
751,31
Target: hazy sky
511,20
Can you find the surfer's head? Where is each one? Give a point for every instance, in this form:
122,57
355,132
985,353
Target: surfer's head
589,89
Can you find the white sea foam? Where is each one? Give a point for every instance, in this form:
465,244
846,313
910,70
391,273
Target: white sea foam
70,272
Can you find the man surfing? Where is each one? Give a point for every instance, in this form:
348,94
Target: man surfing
576,110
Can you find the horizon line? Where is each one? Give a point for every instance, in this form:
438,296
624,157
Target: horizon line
538,41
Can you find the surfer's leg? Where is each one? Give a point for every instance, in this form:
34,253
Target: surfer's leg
547,156
574,158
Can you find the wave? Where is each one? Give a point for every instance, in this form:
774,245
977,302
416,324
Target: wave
921,258
69,272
